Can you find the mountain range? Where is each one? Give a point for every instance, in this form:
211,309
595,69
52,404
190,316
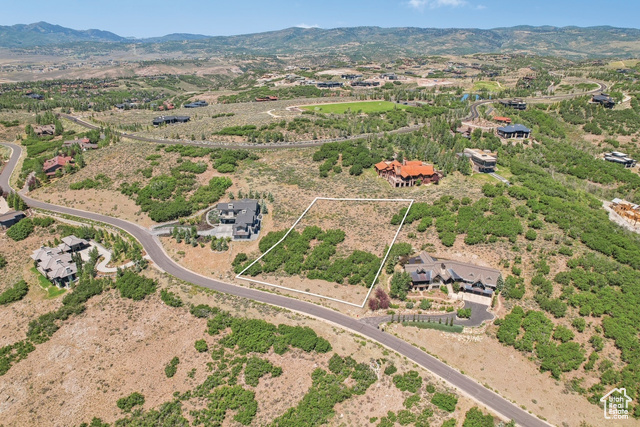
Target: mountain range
570,42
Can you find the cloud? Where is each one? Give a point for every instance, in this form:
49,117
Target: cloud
433,4
303,25
481,7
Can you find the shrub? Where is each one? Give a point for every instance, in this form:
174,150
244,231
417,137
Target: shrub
14,293
425,304
464,313
171,299
410,381
445,401
3,261
201,346
134,286
21,230
431,388
203,311
531,235
579,323
172,367
127,403
475,418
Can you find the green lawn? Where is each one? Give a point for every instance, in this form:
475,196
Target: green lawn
52,290
365,107
488,85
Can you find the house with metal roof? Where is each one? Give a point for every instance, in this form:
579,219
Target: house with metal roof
170,119
244,215
481,161
514,131
428,272
603,99
620,158
516,103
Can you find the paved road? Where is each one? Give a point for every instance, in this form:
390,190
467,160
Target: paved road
247,146
155,251
474,114
479,314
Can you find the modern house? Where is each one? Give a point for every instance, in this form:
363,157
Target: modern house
267,98
407,173
10,218
44,130
482,161
329,85
516,103
84,144
170,120
365,84
620,158
514,131
58,162
196,104
351,76
603,99
56,264
428,272
243,214
36,96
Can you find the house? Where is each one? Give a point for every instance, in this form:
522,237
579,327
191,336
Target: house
196,104
620,158
243,214
407,173
465,131
482,161
170,119
501,119
603,99
35,96
10,218
364,84
58,162
517,104
351,76
627,210
514,131
428,272
267,98
329,85
84,143
44,130
57,264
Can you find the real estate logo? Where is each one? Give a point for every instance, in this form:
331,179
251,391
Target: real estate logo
616,404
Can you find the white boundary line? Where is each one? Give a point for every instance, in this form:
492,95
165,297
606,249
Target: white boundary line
384,260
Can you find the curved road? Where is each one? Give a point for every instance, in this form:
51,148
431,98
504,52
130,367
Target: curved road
155,251
473,114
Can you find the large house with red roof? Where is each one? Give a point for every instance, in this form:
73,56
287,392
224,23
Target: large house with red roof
407,173
58,162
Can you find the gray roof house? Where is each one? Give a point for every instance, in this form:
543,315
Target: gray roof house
56,264
10,218
514,131
243,214
430,272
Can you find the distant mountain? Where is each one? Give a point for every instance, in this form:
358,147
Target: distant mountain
360,42
43,33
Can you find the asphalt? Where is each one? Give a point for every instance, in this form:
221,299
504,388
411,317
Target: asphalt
156,253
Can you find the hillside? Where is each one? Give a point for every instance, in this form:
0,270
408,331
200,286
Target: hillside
359,42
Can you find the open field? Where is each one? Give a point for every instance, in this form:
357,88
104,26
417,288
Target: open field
491,86
118,346
354,107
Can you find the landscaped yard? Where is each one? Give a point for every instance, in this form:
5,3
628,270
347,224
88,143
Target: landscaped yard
52,290
365,107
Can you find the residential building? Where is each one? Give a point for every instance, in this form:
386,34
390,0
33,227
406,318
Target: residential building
501,119
57,264
517,104
407,173
329,85
58,162
84,144
620,158
196,104
365,84
10,218
514,131
482,161
243,214
351,76
170,119
36,96
44,130
267,98
428,272
603,99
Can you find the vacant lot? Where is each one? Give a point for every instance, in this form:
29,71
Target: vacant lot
354,107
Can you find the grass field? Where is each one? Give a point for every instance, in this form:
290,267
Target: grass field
365,107
52,290
490,86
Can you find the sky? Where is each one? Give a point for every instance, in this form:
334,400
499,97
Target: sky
146,18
